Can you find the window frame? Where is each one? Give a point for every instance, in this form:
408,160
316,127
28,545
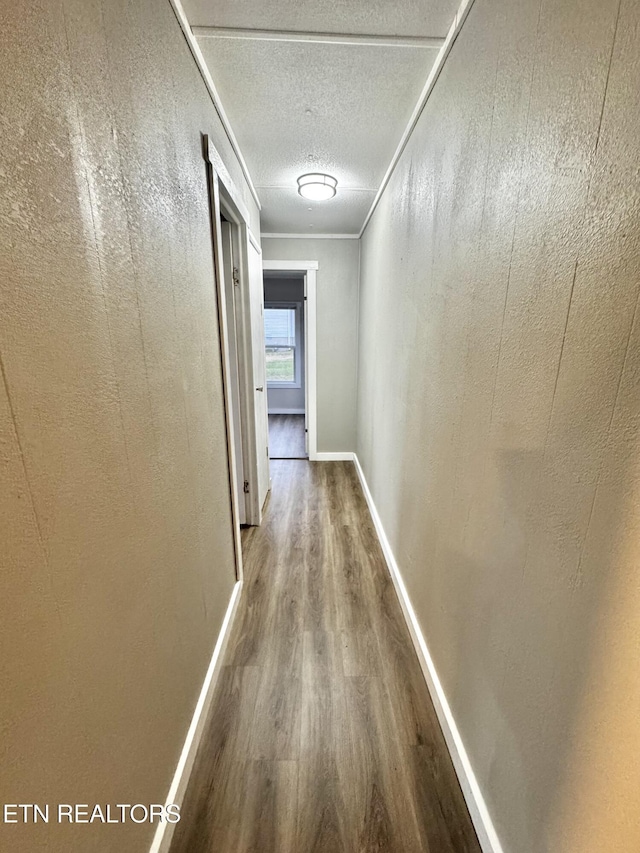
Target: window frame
297,365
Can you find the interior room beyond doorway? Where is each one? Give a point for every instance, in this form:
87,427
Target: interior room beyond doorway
286,437
284,305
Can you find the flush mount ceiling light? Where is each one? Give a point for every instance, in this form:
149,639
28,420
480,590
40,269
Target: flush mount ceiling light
317,186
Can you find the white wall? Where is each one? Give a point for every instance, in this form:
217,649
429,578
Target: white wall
337,318
499,408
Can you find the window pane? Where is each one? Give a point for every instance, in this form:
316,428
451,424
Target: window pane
280,364
280,341
280,327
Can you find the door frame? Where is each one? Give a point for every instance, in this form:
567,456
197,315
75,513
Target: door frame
243,242
308,270
223,198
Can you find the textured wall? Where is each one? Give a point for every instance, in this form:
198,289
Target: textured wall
498,407
337,322
117,557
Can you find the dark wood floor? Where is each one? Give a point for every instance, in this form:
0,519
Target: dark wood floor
322,736
286,437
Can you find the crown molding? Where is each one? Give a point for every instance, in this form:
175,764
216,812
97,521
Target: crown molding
179,12
354,39
266,236
454,30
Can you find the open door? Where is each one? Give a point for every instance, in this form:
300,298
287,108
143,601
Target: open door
216,233
259,369
238,272
233,339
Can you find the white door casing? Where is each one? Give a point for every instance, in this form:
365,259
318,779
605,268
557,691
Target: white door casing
248,313
214,197
308,269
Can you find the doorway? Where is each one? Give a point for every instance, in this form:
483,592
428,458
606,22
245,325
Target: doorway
290,352
284,323
238,277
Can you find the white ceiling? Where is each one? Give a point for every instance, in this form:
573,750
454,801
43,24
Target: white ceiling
297,106
381,17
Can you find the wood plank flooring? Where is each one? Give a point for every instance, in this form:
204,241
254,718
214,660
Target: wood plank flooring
286,437
322,736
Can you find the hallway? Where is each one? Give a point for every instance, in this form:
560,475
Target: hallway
320,426
322,736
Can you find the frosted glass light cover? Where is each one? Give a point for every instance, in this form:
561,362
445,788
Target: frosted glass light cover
317,186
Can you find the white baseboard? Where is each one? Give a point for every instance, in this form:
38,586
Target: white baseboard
333,456
487,835
285,412
164,831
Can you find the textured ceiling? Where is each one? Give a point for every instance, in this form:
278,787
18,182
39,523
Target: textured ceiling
300,106
381,17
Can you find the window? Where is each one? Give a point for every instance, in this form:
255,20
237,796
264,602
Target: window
282,341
